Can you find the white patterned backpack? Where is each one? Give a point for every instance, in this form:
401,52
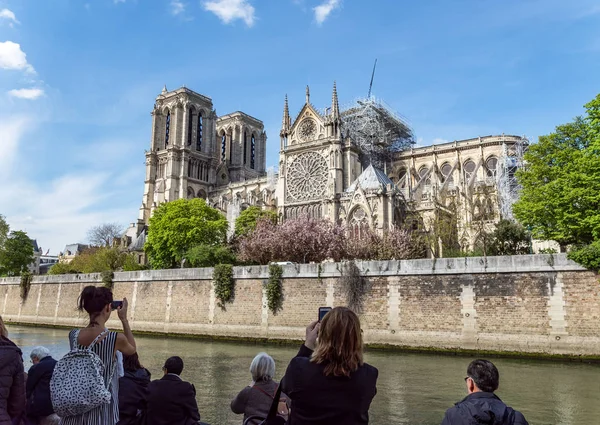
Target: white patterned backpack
77,385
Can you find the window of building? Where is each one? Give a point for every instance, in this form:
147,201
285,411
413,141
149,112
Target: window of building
167,128
199,132
491,166
447,174
231,148
223,146
252,151
402,179
190,125
245,148
469,169
424,174
189,173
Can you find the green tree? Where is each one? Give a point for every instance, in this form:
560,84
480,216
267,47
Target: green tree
508,238
246,222
4,229
178,225
209,256
98,260
17,254
560,199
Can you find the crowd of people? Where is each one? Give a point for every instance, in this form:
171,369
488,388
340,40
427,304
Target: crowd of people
102,382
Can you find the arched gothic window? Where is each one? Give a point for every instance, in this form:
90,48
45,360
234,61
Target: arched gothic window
231,147
245,148
190,125
424,173
358,224
252,151
199,132
223,146
167,128
189,173
491,166
447,174
468,169
403,179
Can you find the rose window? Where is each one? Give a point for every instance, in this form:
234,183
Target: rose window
307,177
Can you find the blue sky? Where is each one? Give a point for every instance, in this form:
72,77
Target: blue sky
78,80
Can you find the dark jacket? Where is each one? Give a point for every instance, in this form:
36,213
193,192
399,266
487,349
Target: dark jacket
328,400
482,408
256,400
133,390
38,388
171,401
12,382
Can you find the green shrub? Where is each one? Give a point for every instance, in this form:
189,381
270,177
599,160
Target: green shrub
224,284
209,256
588,256
62,268
274,288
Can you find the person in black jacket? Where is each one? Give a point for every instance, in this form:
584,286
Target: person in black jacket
133,390
482,406
328,382
39,405
171,400
12,379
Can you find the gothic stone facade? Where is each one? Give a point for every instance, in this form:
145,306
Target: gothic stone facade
195,153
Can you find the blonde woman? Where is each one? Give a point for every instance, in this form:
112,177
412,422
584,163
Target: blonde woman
12,379
328,381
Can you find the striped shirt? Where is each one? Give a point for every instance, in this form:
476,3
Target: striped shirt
107,414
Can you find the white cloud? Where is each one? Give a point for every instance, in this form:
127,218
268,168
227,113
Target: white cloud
8,15
323,10
59,210
177,7
30,94
231,10
12,57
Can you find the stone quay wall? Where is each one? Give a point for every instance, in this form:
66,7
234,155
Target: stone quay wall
538,304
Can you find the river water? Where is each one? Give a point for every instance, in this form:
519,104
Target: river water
412,388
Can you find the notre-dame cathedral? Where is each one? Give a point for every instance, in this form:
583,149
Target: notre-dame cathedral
324,170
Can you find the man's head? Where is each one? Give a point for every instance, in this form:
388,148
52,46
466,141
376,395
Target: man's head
482,375
38,353
173,365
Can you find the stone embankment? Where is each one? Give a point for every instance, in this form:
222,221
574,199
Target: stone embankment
533,304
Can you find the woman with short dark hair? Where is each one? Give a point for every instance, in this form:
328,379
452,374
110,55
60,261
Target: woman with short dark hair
328,381
133,390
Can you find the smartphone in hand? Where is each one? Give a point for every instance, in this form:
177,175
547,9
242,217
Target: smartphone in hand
115,305
323,311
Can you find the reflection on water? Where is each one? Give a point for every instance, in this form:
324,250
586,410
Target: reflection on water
412,388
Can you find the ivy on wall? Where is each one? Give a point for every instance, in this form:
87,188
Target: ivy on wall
274,288
224,284
25,284
107,279
354,285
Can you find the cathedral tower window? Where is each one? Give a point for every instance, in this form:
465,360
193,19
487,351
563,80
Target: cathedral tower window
245,148
199,133
190,125
189,173
252,151
231,147
223,146
167,128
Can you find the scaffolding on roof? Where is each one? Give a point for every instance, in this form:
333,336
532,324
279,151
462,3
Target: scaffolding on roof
377,130
509,163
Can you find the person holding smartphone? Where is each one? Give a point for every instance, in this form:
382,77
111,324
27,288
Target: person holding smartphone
328,381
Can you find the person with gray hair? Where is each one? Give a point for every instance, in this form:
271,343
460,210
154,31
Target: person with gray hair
255,400
39,406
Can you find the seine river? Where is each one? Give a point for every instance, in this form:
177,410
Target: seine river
412,388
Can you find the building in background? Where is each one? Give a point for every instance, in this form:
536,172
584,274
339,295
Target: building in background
71,251
356,167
